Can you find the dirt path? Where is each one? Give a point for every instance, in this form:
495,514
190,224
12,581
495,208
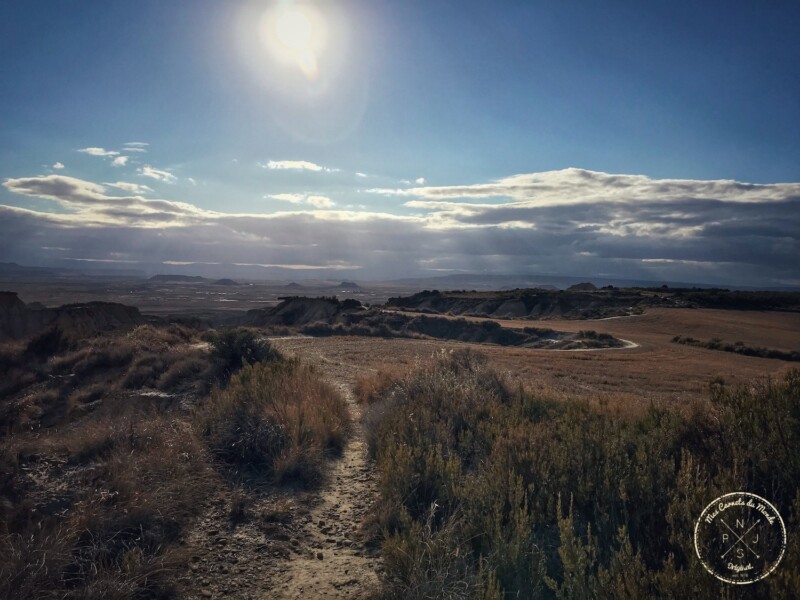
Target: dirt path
292,545
337,565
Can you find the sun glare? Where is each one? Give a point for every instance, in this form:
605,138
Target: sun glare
295,34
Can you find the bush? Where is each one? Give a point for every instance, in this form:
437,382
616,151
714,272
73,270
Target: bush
48,343
275,418
234,348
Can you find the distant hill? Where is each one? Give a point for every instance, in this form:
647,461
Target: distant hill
585,286
294,284
349,284
586,302
297,311
225,282
18,321
178,279
530,303
19,271
329,316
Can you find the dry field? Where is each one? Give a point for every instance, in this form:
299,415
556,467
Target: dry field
655,370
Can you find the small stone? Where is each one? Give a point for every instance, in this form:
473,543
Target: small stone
319,556
205,593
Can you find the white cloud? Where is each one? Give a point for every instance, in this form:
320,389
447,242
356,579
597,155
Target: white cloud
579,186
297,165
58,166
320,201
420,181
293,164
157,174
119,161
358,174
94,151
135,146
293,198
134,188
192,181
315,200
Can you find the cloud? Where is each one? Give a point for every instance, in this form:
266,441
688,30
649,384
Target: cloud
293,198
293,164
94,151
58,166
135,146
133,188
315,200
157,174
298,165
420,181
359,174
320,201
573,223
88,204
119,161
578,186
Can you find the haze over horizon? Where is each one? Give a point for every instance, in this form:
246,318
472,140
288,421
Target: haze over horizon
384,140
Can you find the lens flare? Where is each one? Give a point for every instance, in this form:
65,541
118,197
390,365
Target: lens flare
295,35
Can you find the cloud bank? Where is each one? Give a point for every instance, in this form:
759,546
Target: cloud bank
570,222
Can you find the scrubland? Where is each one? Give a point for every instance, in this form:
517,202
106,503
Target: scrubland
110,445
512,472
489,491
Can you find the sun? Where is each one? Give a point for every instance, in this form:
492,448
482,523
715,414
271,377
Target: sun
295,35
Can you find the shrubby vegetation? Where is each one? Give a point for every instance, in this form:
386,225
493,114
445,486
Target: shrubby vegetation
237,347
110,445
394,324
487,491
738,348
276,418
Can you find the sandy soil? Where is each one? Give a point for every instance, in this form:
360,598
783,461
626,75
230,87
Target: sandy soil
336,565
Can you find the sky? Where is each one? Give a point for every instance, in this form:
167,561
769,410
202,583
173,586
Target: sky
379,139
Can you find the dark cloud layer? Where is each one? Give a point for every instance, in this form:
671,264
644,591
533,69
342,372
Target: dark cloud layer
570,222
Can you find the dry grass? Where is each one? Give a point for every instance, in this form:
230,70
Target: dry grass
276,418
131,490
370,387
98,481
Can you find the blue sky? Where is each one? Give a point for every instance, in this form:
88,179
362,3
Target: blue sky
614,133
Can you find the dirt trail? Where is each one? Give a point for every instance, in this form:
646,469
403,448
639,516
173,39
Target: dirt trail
336,565
293,544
